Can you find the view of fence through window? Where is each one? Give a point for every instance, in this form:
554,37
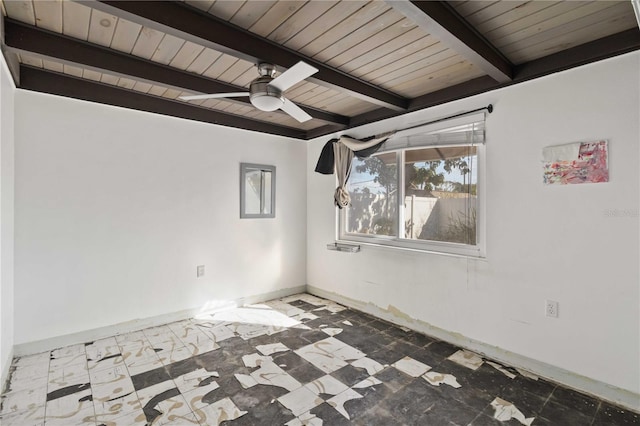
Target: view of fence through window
439,195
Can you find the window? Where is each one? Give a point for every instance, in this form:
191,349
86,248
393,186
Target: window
257,191
421,191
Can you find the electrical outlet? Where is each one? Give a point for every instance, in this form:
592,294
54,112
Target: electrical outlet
551,308
199,271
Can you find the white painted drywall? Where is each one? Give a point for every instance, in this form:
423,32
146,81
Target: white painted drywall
116,208
7,90
543,242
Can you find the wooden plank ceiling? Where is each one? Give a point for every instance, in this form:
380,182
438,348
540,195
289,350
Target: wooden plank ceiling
376,59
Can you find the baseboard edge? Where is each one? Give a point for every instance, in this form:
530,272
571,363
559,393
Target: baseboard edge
85,336
618,396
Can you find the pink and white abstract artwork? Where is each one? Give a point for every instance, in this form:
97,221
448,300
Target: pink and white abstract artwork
580,162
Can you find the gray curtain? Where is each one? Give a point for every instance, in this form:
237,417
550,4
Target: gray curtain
343,156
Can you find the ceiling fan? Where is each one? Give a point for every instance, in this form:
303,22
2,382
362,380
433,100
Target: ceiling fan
266,91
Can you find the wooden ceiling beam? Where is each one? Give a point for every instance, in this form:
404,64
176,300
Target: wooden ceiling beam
28,38
188,23
597,50
607,47
442,21
40,80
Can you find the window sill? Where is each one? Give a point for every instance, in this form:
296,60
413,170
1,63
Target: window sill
475,253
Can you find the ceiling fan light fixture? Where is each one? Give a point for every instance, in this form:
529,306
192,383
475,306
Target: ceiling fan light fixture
265,97
267,102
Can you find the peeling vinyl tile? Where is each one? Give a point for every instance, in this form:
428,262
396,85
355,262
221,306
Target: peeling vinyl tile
29,372
30,383
29,417
255,360
68,351
327,362
117,407
108,375
326,385
160,375
40,358
195,380
249,331
110,361
368,382
349,353
147,394
126,418
81,417
139,354
305,316
177,354
501,369
129,337
369,364
182,420
197,398
137,366
304,297
270,374
108,391
217,332
301,326
27,399
272,348
436,379
131,345
174,410
300,400
329,345
285,308
103,356
504,411
201,347
220,411
152,364
338,401
527,374
411,367
68,361
184,329
76,363
245,380
305,419
165,340
331,307
467,359
70,405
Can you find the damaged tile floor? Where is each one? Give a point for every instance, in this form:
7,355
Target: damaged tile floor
300,360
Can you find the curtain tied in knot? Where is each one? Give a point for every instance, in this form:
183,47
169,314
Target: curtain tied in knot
338,153
341,197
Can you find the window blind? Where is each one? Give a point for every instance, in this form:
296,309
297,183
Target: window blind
465,130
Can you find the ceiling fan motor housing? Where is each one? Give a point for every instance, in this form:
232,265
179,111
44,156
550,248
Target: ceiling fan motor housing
265,97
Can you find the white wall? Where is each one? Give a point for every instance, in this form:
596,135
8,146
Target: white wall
543,242
116,208
7,90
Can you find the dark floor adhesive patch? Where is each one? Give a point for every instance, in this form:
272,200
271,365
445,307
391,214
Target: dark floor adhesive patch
67,391
149,409
300,360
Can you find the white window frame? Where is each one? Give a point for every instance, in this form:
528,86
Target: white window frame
439,247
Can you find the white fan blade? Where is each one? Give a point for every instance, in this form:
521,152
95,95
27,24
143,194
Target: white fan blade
215,95
293,75
295,111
